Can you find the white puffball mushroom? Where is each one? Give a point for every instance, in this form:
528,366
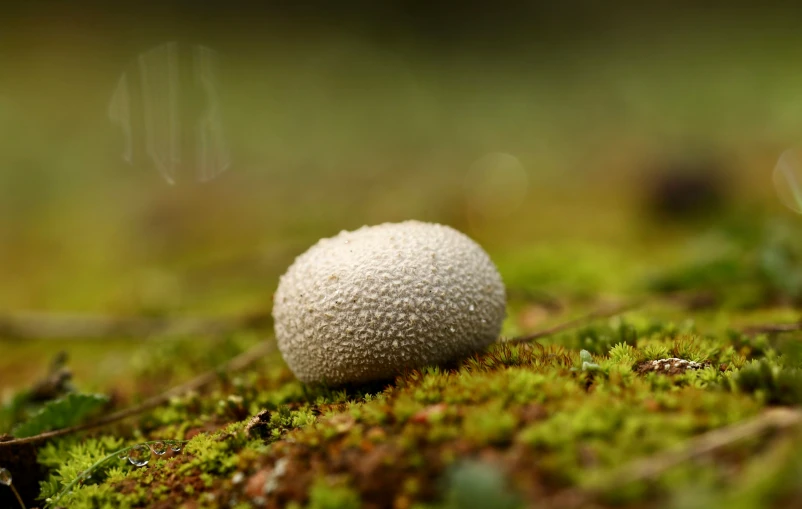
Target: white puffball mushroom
367,304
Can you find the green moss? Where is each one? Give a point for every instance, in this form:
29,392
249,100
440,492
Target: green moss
216,453
71,459
775,384
489,424
478,485
528,398
525,419
326,495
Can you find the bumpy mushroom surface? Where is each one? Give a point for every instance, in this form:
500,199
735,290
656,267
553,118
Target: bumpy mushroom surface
364,305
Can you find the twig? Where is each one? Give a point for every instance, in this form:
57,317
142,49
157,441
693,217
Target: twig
17,495
650,468
605,312
237,363
40,325
773,328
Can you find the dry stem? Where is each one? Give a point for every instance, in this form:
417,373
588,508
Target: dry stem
604,312
650,468
237,363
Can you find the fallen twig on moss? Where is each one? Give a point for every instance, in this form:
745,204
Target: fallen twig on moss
773,328
604,312
650,468
39,325
237,363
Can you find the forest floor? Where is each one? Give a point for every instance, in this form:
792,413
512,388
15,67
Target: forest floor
678,393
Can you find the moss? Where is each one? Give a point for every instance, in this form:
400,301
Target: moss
69,460
478,485
326,495
530,420
775,384
524,407
489,424
216,453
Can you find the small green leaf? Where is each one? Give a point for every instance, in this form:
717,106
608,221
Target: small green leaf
589,366
587,362
61,413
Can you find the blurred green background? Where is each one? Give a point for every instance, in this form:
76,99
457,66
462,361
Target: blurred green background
544,132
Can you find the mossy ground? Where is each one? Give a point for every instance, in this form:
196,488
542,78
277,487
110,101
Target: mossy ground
515,426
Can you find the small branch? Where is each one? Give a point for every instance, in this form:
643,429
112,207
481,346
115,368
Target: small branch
652,467
17,495
604,312
239,362
773,328
40,325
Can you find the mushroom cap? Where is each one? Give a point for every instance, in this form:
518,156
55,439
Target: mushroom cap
367,304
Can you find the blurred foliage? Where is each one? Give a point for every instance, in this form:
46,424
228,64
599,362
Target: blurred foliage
64,412
474,484
777,385
741,269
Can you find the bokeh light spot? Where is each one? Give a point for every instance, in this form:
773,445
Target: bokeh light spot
787,179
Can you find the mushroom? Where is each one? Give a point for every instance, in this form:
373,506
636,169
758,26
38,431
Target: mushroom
366,305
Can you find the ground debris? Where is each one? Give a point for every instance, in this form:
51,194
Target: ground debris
669,366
